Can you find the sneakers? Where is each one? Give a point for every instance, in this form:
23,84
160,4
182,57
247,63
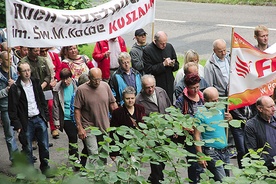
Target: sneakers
232,152
55,134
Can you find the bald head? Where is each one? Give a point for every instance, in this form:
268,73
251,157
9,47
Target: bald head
210,94
161,39
266,107
219,48
95,77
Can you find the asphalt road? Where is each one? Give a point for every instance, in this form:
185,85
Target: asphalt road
196,25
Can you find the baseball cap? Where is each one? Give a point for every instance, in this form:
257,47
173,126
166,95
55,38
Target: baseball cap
140,32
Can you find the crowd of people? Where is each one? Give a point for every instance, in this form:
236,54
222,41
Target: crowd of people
62,89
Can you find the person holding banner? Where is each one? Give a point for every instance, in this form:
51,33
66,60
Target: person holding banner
160,60
7,77
78,64
216,149
261,35
106,54
217,68
260,131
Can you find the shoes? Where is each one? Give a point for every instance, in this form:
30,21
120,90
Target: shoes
51,144
233,152
55,134
48,173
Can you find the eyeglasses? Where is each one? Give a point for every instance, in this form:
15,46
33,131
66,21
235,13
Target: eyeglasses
96,80
25,71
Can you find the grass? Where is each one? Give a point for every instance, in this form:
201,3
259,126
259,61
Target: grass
239,2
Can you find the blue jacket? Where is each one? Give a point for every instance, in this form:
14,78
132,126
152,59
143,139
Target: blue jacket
4,91
118,84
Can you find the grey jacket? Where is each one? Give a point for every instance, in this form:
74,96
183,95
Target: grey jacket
136,54
214,77
58,107
162,99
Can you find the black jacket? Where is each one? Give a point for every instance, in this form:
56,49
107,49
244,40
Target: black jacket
18,105
255,137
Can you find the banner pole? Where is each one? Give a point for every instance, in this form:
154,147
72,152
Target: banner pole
152,31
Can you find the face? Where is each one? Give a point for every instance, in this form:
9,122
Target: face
23,51
34,53
125,64
67,81
220,50
193,59
129,100
213,97
5,60
162,42
193,89
262,38
72,51
142,39
25,71
149,86
95,79
43,52
267,110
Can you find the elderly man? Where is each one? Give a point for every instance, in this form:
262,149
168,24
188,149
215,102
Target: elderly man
160,60
136,51
217,150
5,83
216,70
123,77
93,102
261,129
154,99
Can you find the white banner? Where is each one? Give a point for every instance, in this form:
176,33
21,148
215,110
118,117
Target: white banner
35,26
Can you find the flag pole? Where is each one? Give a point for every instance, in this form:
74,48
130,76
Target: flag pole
227,110
9,58
152,31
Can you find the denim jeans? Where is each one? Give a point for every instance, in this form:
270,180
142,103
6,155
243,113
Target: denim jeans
238,134
223,154
9,134
194,169
36,128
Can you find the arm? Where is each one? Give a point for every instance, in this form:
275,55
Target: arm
99,52
136,60
113,106
13,100
56,108
81,131
197,136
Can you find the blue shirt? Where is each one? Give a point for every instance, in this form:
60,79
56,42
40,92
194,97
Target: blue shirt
68,92
217,132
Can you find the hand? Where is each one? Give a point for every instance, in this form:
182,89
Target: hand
113,158
19,130
203,163
57,126
82,133
168,62
107,54
228,116
10,82
53,83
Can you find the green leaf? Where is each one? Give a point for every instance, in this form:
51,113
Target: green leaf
96,132
219,163
143,125
169,132
122,175
235,123
225,125
249,171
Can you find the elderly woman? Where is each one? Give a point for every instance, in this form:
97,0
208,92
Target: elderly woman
63,93
188,103
78,64
128,115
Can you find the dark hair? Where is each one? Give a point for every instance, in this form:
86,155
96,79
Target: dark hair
65,73
191,79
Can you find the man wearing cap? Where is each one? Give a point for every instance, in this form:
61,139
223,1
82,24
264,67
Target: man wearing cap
136,51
